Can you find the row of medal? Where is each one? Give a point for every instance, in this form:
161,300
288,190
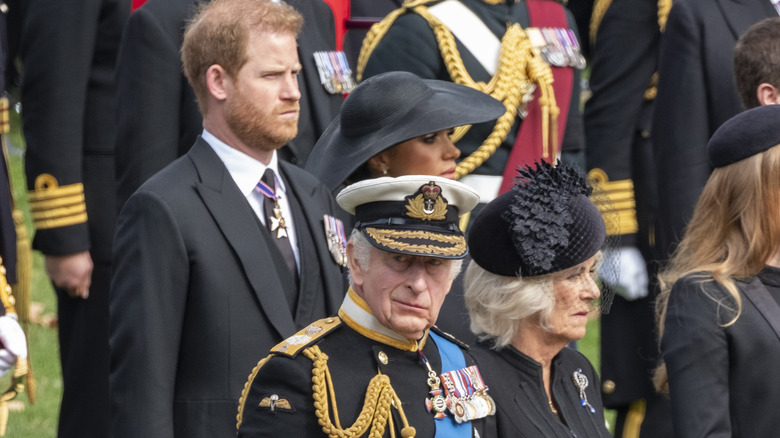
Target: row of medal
464,395
335,74
558,46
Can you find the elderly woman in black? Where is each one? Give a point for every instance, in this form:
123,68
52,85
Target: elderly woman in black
530,289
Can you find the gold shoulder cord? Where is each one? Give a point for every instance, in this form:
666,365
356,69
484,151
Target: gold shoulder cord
520,69
375,414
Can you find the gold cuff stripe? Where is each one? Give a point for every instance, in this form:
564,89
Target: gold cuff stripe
389,238
5,119
54,206
619,209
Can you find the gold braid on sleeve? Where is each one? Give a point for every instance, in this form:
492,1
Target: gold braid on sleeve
376,412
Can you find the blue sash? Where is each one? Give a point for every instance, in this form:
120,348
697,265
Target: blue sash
451,359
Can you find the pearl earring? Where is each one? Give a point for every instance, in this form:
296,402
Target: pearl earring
384,172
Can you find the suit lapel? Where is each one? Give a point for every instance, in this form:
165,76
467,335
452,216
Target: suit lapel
758,294
313,280
241,229
741,14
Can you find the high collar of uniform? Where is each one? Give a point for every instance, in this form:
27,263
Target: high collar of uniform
356,314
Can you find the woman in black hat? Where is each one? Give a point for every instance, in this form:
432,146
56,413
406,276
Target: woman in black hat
397,124
719,318
530,289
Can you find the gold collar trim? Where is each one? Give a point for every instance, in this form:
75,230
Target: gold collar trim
357,315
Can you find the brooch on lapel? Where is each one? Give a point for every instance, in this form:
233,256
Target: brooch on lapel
581,382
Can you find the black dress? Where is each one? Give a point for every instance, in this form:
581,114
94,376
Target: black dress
522,409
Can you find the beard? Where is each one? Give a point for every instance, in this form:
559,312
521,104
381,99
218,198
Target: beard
257,128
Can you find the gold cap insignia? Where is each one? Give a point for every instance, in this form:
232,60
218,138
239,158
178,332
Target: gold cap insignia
427,203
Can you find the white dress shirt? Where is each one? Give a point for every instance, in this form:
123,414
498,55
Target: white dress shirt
246,172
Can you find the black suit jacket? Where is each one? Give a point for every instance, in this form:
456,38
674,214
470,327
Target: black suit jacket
696,94
158,118
197,294
721,379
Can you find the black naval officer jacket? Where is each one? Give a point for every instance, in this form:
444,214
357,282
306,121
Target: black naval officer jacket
522,409
722,380
355,354
410,45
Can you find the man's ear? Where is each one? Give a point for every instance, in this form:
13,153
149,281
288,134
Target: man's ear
768,94
355,271
217,81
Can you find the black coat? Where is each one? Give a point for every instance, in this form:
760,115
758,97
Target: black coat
199,291
515,382
353,360
410,45
721,379
696,94
158,118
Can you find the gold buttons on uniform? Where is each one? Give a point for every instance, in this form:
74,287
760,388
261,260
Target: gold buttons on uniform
329,321
382,357
608,386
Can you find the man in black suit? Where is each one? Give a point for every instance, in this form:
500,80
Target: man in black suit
213,264
68,53
158,119
696,94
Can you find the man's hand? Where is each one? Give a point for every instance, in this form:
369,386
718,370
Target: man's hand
14,343
72,272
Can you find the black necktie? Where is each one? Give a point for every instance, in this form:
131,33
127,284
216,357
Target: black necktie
277,225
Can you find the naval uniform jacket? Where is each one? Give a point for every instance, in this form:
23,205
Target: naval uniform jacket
199,290
515,383
158,118
696,94
410,45
68,52
358,348
617,132
723,380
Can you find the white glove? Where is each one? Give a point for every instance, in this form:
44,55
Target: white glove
14,343
625,271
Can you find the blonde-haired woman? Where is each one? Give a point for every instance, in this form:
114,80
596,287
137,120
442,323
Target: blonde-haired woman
718,312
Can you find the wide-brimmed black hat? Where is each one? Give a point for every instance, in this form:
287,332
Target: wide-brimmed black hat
545,224
744,135
388,109
412,214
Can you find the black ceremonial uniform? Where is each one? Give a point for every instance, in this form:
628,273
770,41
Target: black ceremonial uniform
619,155
410,45
515,382
696,94
68,53
158,118
280,400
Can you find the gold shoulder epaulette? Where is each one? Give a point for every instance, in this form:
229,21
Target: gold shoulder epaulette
55,206
310,334
450,338
619,209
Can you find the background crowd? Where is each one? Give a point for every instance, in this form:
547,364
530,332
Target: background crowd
148,126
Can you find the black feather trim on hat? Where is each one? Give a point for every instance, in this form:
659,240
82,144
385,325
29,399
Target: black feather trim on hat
539,217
